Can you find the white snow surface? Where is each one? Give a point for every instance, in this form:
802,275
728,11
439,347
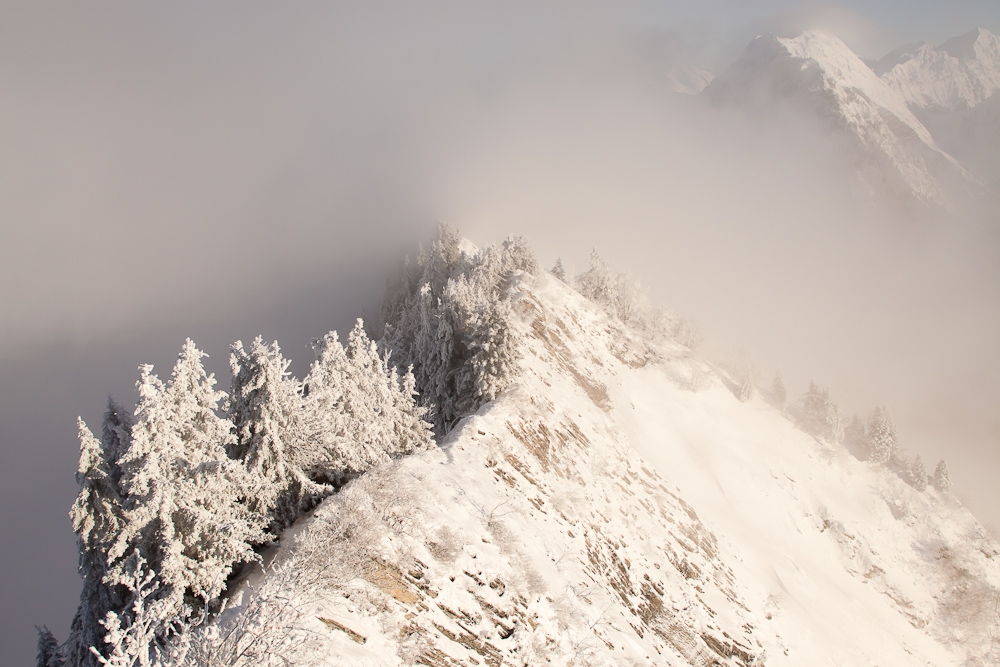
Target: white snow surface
620,506
820,73
959,74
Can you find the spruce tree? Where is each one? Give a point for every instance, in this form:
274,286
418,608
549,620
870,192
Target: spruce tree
918,474
778,392
48,649
854,434
942,478
452,326
881,436
265,410
820,415
97,517
558,271
358,414
184,513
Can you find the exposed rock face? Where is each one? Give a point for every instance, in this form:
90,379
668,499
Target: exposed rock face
606,511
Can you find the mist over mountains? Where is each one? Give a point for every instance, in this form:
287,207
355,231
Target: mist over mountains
797,177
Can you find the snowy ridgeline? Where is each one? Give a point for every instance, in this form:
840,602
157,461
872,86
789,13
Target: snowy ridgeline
605,497
899,115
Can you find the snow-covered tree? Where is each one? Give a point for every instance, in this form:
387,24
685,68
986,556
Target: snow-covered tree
854,432
265,409
48,649
617,291
743,372
942,478
97,517
880,436
183,496
820,415
558,270
452,324
778,392
133,638
918,474
358,411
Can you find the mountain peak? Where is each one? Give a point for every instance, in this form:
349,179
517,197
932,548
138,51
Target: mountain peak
816,72
973,44
960,73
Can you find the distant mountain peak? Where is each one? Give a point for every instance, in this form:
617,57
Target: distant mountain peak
818,73
960,73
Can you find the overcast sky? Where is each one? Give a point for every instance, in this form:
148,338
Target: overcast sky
219,171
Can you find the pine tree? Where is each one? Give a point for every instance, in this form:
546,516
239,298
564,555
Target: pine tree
265,410
918,474
820,415
97,517
558,271
453,329
881,437
358,412
182,493
942,478
133,638
151,500
854,434
778,393
48,649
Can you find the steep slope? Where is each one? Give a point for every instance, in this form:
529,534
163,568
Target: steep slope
620,506
819,74
959,74
952,90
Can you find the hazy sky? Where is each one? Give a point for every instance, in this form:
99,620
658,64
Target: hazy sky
219,171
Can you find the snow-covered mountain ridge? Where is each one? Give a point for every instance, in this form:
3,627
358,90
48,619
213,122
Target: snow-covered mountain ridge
818,73
959,74
618,505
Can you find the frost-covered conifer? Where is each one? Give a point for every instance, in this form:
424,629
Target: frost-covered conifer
744,374
617,291
558,271
854,433
132,638
182,493
97,516
453,327
265,410
820,415
880,436
918,474
149,489
48,649
778,392
942,478
358,412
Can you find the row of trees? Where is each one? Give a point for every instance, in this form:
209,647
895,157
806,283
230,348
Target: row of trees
875,438
194,481
621,294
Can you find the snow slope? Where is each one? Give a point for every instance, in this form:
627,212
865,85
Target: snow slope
818,73
619,506
959,74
